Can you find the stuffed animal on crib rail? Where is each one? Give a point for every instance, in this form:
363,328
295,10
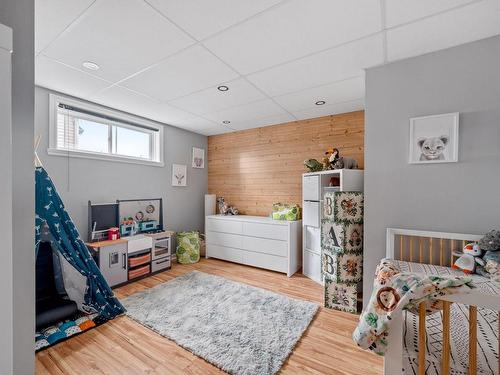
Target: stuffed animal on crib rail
313,165
335,161
469,259
490,243
225,209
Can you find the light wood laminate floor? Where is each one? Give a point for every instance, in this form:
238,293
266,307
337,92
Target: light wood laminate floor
123,346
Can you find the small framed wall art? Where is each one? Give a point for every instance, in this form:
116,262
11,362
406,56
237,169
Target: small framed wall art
179,175
434,139
198,157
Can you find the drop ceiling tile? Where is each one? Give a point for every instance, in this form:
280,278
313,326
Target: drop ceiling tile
321,68
472,22
203,18
65,79
212,100
332,109
261,122
253,111
197,124
403,11
121,36
294,29
189,71
126,100
338,92
53,16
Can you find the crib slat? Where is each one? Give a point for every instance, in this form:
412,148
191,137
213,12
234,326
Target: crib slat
445,359
472,340
421,250
411,248
421,339
441,252
452,242
401,247
431,258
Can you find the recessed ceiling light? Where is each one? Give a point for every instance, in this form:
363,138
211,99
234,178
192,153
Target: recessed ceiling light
90,65
222,88
226,122
320,102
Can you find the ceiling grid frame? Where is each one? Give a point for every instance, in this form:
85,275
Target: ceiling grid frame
244,76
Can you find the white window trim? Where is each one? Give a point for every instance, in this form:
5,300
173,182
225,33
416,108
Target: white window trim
53,150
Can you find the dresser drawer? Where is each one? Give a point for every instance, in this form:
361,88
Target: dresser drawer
265,245
271,231
270,262
226,253
224,226
224,239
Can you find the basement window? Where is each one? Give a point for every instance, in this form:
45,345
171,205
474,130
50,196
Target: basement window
80,129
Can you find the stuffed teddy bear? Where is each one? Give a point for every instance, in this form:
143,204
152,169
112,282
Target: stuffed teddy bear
491,259
469,258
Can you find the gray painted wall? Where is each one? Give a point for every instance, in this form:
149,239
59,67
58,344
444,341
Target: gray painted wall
6,276
79,180
19,15
459,197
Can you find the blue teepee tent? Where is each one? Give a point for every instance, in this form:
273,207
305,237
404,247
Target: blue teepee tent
50,213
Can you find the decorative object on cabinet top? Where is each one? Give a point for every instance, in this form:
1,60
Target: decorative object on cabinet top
226,209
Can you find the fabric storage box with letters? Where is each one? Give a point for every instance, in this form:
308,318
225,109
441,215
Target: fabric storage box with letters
342,249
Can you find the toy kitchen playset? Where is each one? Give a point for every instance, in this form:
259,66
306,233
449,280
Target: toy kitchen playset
127,239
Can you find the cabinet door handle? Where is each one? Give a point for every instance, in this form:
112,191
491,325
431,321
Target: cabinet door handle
124,261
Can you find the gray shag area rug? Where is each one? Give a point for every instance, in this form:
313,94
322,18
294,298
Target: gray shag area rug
236,327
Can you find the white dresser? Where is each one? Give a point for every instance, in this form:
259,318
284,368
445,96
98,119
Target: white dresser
255,241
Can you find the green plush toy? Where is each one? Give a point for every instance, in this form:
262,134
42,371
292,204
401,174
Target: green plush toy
313,165
188,247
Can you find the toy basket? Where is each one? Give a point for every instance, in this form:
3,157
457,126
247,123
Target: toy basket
188,247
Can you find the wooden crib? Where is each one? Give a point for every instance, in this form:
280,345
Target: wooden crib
434,248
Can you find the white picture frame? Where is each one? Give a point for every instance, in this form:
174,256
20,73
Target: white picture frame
198,160
179,175
434,139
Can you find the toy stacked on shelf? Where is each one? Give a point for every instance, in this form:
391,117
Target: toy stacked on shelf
342,249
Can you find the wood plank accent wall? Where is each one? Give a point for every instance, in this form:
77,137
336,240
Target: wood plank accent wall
254,168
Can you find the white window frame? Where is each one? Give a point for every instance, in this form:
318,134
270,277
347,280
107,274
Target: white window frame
54,101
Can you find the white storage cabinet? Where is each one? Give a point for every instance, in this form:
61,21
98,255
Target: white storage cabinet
312,190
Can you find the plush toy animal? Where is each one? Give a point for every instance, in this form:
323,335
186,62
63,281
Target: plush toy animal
432,148
467,262
491,259
313,165
340,162
490,241
225,209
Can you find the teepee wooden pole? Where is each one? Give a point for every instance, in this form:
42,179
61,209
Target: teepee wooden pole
37,161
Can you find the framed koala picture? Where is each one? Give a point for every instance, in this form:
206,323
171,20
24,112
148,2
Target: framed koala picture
434,139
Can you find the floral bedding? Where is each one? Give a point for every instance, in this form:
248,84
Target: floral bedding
394,291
